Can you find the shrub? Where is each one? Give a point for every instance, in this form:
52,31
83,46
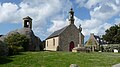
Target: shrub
16,43
3,49
42,46
111,47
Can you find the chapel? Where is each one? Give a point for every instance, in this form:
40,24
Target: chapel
66,38
34,41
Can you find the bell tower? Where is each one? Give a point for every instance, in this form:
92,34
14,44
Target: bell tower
27,22
71,16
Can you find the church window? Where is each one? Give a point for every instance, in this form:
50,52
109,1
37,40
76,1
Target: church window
53,42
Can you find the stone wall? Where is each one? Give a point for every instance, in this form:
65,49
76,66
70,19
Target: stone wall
81,40
34,41
93,40
92,43
71,33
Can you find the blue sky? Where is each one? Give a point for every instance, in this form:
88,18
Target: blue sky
95,16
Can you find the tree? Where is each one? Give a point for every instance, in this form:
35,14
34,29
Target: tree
16,43
3,49
112,35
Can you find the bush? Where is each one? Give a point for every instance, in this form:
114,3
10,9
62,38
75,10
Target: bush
15,50
3,49
111,47
42,46
16,43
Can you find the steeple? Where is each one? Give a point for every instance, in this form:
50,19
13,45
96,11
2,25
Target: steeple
71,16
27,22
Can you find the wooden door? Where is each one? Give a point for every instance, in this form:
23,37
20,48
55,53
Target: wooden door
71,46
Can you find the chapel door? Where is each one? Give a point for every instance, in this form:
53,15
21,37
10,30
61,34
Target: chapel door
71,46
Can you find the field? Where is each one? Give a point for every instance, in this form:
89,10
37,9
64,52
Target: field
60,59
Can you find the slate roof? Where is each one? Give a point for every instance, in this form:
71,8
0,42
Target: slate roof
97,37
101,41
27,17
58,32
1,35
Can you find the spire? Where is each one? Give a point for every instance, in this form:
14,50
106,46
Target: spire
71,16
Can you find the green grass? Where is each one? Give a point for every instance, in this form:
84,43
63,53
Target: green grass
60,59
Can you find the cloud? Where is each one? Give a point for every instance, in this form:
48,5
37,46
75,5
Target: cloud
41,11
92,26
100,11
57,24
81,2
51,15
105,11
7,11
117,21
88,26
92,3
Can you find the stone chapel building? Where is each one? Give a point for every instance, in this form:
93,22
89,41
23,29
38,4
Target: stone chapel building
94,42
34,41
66,38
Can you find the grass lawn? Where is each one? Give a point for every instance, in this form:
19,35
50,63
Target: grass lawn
60,59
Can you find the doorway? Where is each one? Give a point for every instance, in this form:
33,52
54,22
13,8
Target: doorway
71,46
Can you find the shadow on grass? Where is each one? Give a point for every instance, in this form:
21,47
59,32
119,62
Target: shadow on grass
20,53
4,60
8,59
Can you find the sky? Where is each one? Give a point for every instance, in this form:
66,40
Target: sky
95,16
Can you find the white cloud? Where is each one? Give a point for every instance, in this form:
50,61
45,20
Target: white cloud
41,11
117,21
92,26
105,12
118,2
88,26
81,2
57,24
100,11
7,11
93,3
50,15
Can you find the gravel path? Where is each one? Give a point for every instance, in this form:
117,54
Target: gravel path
117,65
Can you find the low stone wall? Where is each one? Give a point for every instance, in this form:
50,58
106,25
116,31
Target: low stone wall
81,49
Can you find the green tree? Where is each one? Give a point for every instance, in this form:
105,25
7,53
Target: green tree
16,43
3,49
112,35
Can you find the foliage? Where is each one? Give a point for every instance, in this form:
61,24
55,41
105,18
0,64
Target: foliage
112,35
61,59
16,43
111,47
3,49
42,46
